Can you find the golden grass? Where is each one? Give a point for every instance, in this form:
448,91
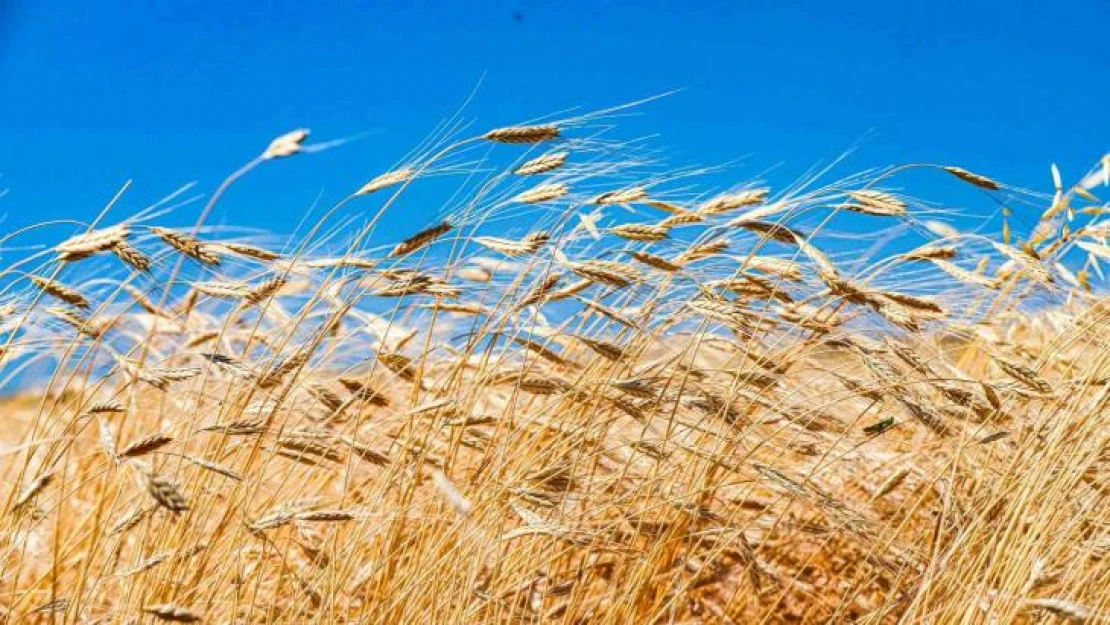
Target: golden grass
680,414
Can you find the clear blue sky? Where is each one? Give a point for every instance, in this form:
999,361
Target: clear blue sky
94,93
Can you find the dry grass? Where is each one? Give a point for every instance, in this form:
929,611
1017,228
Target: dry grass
690,407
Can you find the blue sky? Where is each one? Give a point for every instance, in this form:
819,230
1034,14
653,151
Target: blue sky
170,92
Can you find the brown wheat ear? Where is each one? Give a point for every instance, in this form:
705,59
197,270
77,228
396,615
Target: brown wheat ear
173,613
523,134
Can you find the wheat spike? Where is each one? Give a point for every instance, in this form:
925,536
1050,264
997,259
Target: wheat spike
668,207
569,290
780,267
541,350
264,291
452,495
623,196
325,516
357,263
85,245
145,445
230,365
608,312
980,181
931,251
891,482
386,180
965,276
540,291
913,302
287,144
246,251
144,301
1024,374
703,250
132,256
607,272
172,612
1032,265
129,521
61,291
606,349
161,377
32,490
641,232
1062,608
523,134
542,164
658,262
421,239
215,468
145,565
732,201
222,290
365,452
187,245
542,193
83,325
111,405
878,203
240,427
509,247
681,218
108,441
772,231
165,493
53,607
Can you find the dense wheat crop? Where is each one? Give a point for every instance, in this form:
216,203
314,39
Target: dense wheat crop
588,390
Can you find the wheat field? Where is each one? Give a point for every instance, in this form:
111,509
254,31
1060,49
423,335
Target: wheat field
591,390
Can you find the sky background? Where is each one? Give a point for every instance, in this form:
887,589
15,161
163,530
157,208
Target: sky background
164,93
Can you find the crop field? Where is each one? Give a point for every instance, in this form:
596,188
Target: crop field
583,388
